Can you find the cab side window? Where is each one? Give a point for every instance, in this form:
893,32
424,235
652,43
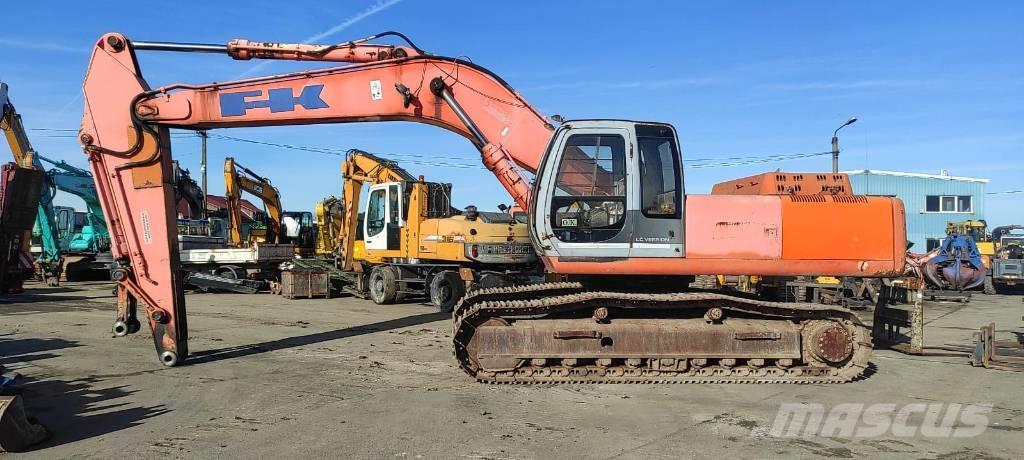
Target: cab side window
589,201
375,212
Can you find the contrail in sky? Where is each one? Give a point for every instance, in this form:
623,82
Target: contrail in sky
381,5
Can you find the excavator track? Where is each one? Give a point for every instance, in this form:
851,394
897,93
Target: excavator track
562,333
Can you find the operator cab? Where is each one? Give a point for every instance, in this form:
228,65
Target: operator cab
610,189
298,229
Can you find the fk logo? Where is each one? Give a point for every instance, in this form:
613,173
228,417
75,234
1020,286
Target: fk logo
278,100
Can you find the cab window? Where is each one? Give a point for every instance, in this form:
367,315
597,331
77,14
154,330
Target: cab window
589,200
375,212
393,208
659,177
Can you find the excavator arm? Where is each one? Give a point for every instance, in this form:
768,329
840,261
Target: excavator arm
247,181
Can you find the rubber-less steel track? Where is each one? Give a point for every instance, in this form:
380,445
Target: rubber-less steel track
571,300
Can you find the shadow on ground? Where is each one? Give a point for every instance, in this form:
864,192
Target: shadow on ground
202,357
79,409
29,349
35,298
70,409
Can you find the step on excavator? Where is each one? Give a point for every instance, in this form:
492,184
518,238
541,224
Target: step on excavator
606,209
412,241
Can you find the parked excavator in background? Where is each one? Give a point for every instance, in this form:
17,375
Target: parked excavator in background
224,261
186,188
20,191
956,265
299,228
238,179
94,236
330,217
86,249
977,230
50,262
606,209
412,241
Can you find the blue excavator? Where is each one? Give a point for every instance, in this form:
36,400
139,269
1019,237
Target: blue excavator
92,236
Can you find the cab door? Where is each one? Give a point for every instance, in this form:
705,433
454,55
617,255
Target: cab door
582,210
383,219
658,220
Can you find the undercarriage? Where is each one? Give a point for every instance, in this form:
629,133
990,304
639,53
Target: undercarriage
560,332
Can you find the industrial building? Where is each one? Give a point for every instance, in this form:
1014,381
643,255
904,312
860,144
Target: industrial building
931,200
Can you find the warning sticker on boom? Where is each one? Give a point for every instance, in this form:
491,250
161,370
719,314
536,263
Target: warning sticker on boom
375,92
147,235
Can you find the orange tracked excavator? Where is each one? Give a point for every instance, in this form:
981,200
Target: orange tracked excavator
606,210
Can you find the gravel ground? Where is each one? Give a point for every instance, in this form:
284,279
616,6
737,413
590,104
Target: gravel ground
269,377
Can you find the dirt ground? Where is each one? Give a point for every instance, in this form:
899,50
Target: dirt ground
270,377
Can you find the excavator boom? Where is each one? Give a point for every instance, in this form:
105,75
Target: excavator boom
607,209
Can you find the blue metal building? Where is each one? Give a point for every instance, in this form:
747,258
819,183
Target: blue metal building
931,200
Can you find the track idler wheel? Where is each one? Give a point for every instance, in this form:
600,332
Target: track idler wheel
827,342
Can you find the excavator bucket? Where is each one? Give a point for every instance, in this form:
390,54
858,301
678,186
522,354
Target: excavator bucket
17,430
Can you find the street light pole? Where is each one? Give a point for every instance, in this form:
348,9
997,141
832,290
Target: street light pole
835,144
202,169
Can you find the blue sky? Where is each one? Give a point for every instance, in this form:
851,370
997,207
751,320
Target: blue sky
936,85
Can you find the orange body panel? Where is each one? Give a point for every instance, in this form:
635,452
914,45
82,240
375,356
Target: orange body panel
774,235
850,221
716,228
780,183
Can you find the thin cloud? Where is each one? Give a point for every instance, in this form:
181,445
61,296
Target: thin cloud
381,5
665,83
644,84
43,46
852,84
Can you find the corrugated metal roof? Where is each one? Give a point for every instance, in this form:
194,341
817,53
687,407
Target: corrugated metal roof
920,175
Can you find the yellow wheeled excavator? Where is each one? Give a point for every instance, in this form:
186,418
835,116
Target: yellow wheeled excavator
411,240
